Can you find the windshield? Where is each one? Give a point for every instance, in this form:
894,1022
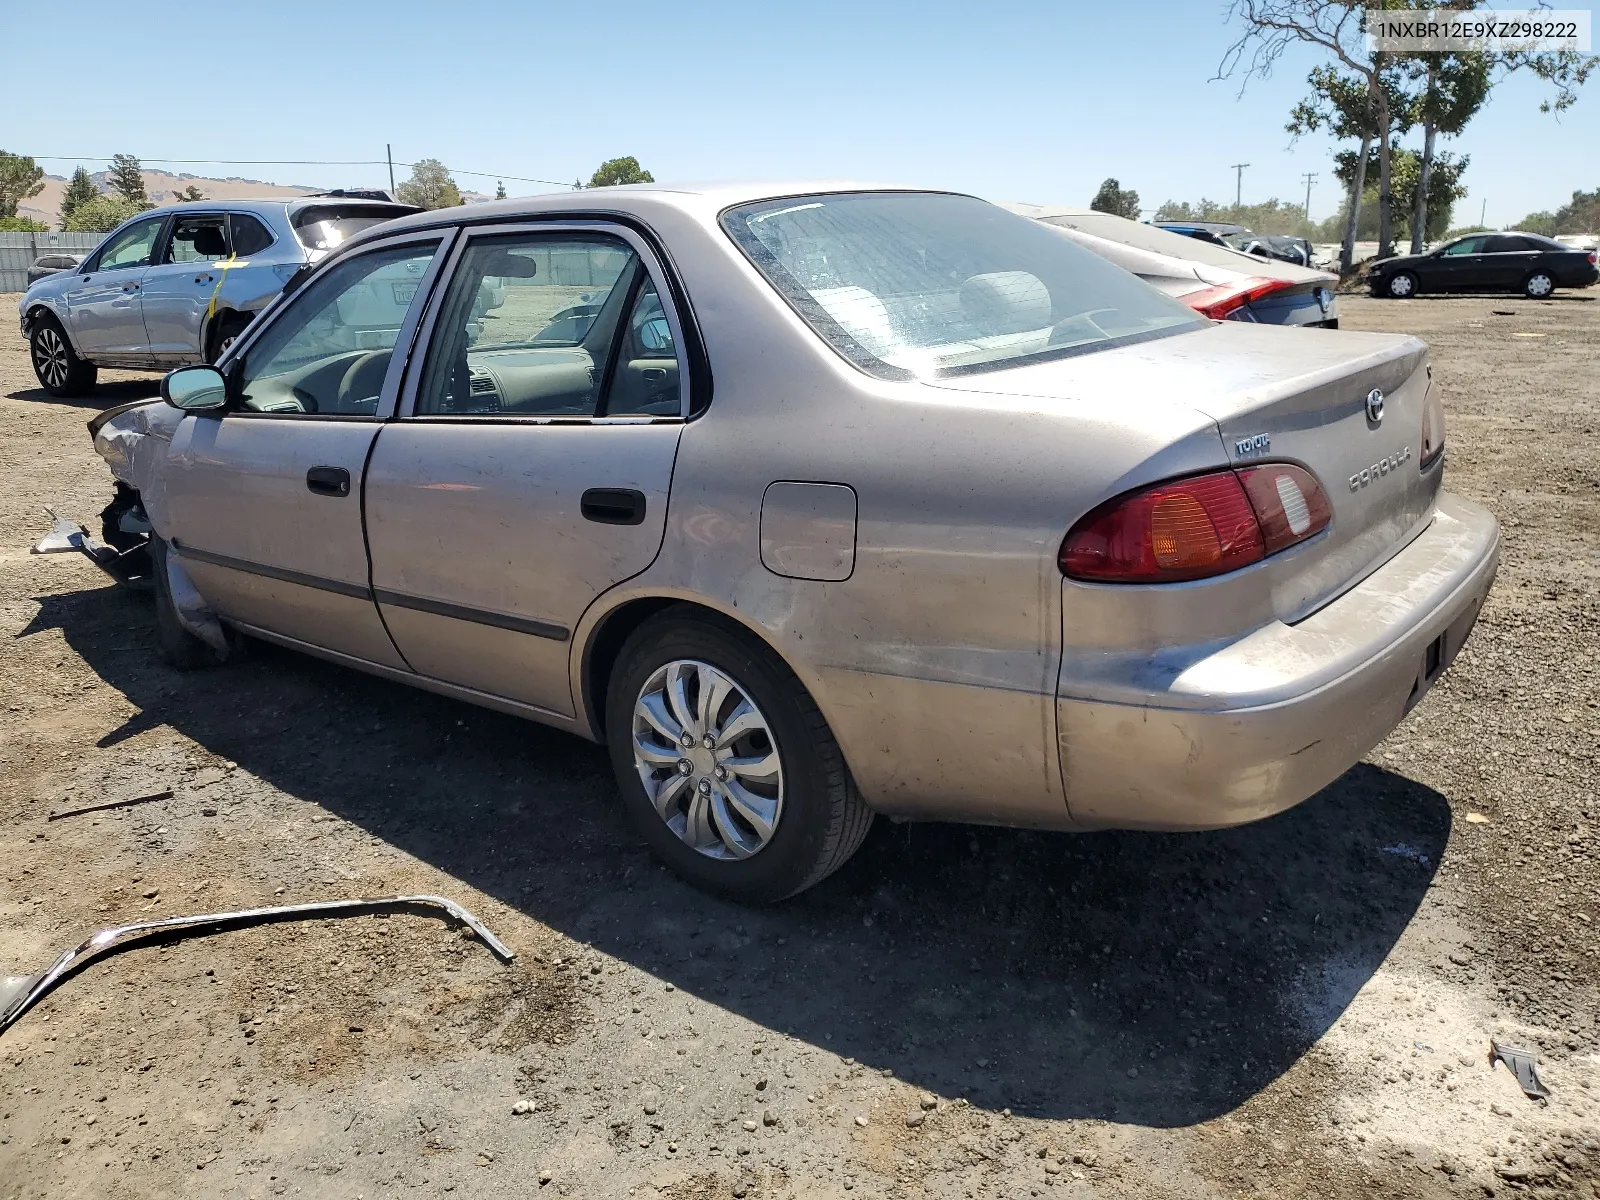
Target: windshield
920,285
324,226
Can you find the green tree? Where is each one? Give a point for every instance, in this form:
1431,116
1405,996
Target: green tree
20,179
499,190
620,170
127,180
1582,215
1111,198
430,186
102,214
190,194
22,225
79,188
1269,217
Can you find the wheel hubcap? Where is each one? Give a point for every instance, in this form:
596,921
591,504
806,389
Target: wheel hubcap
708,761
50,357
1539,286
1400,286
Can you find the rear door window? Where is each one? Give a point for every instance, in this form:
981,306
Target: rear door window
198,237
528,327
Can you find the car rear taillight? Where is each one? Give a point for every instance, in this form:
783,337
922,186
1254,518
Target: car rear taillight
1432,428
1196,527
1593,258
1218,302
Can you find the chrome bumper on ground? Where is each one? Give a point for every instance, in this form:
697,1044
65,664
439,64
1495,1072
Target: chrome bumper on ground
1261,724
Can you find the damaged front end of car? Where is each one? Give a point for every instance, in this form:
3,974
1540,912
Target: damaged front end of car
133,439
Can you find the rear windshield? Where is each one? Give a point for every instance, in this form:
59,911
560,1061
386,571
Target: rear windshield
324,226
918,285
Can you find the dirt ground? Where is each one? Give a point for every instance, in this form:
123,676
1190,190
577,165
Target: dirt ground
1302,1007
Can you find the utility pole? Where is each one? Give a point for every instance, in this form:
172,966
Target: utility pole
1484,212
1309,177
388,152
1238,185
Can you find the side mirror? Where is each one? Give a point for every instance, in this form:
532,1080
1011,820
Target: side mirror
656,335
195,389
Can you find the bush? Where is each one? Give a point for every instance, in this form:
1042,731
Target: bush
102,214
22,225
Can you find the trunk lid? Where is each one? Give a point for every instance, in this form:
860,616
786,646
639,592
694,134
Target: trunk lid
1284,395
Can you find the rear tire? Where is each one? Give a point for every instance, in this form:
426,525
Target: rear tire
1402,286
1539,286
820,818
178,648
55,363
224,335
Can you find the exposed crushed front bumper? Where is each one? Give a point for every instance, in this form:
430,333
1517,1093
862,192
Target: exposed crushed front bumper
1256,726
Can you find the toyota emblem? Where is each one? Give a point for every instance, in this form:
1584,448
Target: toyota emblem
1375,405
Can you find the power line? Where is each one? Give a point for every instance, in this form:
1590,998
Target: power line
289,162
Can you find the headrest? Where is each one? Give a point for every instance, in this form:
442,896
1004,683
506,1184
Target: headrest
209,242
1005,302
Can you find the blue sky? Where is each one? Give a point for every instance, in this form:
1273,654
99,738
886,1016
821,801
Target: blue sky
1019,101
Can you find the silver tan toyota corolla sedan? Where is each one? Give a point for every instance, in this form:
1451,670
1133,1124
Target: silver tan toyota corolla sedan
814,502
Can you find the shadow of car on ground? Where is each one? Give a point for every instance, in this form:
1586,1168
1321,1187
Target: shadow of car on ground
1157,979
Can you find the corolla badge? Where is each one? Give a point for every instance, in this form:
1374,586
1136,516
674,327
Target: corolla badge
1379,469
1375,406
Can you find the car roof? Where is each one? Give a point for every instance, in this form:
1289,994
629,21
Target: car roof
271,204
639,199
1209,226
1157,239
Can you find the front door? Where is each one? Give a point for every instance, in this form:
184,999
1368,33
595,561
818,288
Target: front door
1459,267
530,470
264,501
178,289
105,309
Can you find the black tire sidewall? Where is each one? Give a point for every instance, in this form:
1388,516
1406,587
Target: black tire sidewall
788,861
80,374
177,646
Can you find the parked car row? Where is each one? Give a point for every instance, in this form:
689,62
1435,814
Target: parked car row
814,503
1214,278
177,284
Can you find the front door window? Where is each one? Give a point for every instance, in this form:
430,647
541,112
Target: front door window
329,353
132,247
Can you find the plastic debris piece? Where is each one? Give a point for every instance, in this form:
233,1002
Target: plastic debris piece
20,993
1524,1066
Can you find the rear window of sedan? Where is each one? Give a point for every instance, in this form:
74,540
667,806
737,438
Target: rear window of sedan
919,285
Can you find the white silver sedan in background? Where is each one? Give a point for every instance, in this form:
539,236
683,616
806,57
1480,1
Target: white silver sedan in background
815,502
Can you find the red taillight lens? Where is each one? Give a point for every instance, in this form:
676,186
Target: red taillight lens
1593,258
1432,428
1218,302
1196,527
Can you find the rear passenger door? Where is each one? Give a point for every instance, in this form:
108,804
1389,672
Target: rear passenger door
530,469
179,287
1508,261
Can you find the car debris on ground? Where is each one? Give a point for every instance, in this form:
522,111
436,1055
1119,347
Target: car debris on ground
19,993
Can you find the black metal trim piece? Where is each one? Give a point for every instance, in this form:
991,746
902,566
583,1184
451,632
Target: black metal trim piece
541,629
339,587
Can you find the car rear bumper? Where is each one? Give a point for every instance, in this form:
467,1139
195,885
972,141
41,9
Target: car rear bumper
1245,730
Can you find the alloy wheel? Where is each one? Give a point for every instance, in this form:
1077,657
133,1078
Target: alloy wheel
50,357
708,760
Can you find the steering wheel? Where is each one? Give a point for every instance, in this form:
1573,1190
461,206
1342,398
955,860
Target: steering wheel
361,386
